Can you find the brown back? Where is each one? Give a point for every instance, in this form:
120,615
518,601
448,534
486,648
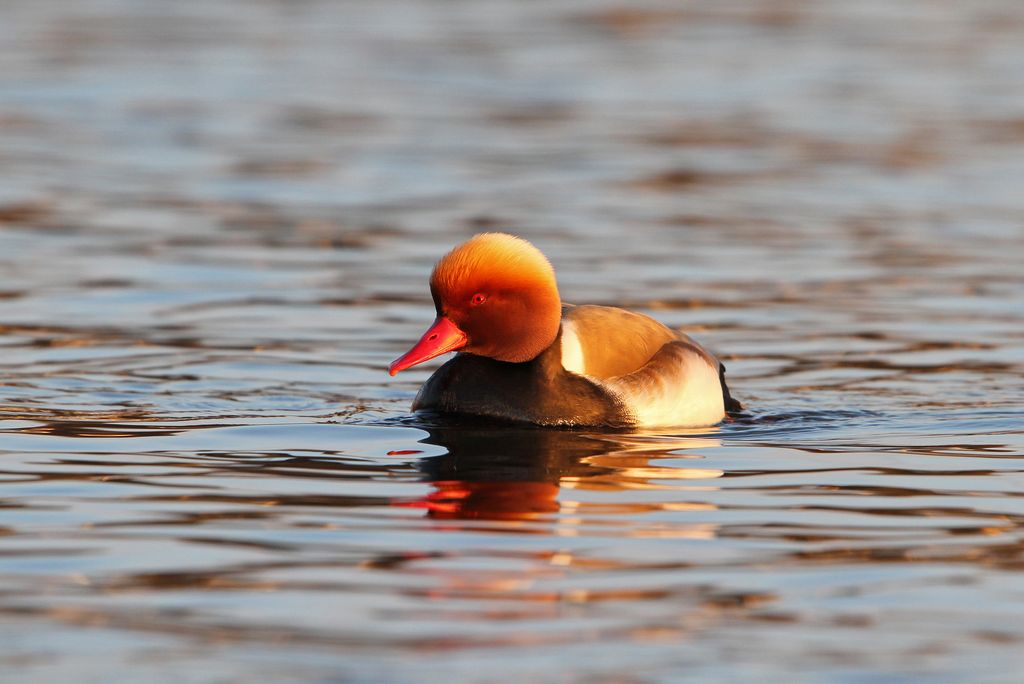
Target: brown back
615,341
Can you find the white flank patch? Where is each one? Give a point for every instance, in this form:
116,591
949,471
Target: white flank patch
687,393
572,350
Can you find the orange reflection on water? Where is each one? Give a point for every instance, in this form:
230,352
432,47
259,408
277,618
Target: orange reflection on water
504,474
455,499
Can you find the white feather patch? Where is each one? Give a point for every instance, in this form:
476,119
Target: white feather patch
572,350
685,392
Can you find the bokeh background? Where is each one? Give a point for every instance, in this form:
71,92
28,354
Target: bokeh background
217,220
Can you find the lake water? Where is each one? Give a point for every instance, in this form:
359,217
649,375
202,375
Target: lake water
217,220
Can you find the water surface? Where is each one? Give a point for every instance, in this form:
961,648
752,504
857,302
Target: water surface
216,225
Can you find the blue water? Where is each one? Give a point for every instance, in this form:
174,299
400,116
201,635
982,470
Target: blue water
217,220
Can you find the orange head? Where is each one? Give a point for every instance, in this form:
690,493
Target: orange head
495,296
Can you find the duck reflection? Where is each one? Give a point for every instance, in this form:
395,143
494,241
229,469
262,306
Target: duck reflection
506,473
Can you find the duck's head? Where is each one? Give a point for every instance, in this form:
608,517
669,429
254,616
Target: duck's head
495,296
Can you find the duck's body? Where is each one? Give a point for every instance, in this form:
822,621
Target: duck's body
578,365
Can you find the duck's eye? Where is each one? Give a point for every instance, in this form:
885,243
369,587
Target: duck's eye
478,299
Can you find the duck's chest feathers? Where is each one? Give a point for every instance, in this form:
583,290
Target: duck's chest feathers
538,391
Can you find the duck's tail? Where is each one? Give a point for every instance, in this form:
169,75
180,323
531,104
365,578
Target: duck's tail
731,405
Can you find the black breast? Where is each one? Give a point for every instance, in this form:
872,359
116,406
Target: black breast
538,391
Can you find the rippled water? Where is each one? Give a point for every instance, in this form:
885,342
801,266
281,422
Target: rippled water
216,225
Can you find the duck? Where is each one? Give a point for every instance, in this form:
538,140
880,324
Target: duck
524,356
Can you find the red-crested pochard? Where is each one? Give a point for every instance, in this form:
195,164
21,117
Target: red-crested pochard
525,356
